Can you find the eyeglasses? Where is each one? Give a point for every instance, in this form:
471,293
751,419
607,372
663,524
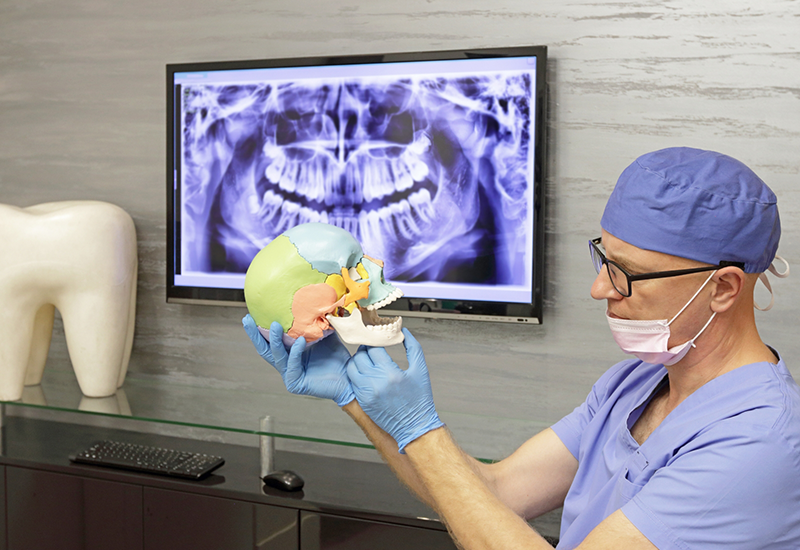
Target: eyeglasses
622,280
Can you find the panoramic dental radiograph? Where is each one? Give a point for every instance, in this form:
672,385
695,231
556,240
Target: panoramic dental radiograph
430,174
314,279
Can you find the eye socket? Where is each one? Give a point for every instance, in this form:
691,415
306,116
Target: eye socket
354,274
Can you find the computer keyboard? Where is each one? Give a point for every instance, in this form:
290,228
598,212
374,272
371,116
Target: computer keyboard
143,458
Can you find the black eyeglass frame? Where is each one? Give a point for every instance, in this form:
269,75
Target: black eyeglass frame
593,248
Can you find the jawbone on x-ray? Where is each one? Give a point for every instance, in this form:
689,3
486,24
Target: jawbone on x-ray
431,174
314,279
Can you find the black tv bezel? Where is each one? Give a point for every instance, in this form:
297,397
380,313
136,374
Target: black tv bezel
471,310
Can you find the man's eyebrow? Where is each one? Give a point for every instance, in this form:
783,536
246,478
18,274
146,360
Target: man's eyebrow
632,267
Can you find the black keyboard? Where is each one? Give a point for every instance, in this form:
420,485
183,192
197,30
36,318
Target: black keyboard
154,460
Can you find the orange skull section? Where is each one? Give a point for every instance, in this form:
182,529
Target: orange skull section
310,305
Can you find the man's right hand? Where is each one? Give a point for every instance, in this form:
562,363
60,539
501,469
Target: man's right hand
319,371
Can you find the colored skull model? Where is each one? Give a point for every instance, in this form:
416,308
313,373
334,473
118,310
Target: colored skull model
314,279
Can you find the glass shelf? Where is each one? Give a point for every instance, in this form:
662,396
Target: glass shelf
238,411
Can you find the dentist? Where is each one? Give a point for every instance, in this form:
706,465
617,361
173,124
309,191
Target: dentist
694,442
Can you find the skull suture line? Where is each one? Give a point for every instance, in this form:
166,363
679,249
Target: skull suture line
426,172
314,279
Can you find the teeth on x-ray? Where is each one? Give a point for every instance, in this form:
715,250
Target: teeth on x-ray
428,173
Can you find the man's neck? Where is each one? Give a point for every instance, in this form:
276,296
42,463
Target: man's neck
721,353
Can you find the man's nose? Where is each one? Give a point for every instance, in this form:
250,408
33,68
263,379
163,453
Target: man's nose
602,289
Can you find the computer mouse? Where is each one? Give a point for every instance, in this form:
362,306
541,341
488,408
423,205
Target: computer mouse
284,480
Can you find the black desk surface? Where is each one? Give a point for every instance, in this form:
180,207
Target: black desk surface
339,486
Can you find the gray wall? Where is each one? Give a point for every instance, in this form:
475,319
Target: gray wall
82,110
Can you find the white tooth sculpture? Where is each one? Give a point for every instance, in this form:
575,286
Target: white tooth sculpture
79,257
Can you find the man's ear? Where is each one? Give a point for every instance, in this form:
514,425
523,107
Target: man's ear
730,283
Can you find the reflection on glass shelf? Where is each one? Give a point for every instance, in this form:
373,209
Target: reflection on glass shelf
115,405
237,410
234,410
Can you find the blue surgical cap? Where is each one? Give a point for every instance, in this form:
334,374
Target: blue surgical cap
695,204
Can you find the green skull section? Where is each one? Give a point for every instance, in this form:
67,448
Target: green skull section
314,279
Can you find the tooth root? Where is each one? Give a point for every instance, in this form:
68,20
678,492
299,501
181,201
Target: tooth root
373,168
422,205
368,225
308,179
288,178
372,179
403,179
307,215
322,168
46,247
40,345
383,220
353,185
387,177
275,169
88,354
304,184
288,217
370,185
329,183
348,223
271,205
352,227
301,181
404,221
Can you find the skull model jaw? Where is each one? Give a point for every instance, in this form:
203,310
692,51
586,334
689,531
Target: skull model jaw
315,279
364,326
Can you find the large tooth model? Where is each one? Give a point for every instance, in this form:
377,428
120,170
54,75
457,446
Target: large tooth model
314,279
79,257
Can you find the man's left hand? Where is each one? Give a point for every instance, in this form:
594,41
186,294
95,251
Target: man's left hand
400,402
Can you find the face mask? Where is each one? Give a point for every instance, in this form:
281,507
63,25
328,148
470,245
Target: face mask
647,340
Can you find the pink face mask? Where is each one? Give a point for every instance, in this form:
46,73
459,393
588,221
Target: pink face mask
648,340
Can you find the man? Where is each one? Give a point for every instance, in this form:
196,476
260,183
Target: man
693,444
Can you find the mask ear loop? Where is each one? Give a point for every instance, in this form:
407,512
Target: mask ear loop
692,300
763,278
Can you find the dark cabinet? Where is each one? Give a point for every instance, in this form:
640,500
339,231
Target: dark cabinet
2,507
183,520
48,510
329,532
48,503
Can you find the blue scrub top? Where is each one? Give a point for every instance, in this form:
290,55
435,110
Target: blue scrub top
721,471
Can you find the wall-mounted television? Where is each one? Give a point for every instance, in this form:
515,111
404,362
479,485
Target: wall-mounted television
434,161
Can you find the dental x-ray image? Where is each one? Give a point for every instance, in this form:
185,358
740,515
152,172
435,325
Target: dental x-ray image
432,174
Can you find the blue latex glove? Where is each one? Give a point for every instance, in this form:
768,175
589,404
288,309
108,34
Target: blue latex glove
319,371
400,402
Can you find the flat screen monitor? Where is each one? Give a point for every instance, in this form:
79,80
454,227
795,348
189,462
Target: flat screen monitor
434,161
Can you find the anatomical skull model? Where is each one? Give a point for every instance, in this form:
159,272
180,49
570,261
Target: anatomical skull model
314,279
